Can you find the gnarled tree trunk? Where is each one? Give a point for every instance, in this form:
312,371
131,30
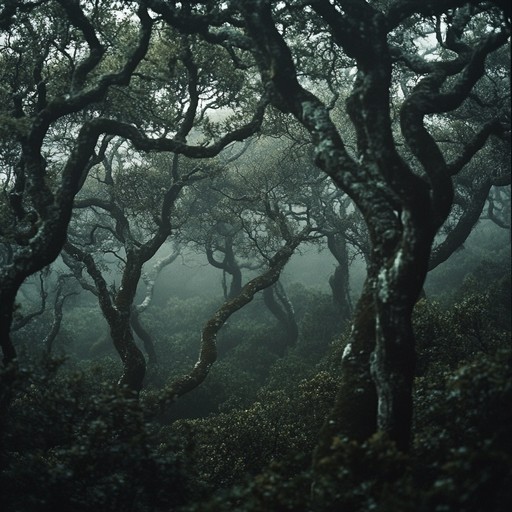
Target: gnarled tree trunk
353,415
117,313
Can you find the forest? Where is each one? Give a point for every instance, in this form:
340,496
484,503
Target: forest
255,256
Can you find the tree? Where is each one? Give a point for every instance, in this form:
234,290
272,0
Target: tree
138,238
65,71
404,201
244,223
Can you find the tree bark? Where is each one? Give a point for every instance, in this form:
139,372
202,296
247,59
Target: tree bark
399,284
146,338
117,313
57,321
402,208
134,364
353,414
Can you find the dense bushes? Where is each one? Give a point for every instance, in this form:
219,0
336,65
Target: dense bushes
462,453
66,448
244,440
463,431
474,320
278,426
461,459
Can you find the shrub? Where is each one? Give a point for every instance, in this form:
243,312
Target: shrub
279,426
66,448
463,442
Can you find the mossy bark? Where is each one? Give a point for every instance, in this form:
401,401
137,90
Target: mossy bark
354,412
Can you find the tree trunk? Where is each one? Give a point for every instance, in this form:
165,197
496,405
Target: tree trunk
144,335
392,368
117,313
354,412
134,364
236,281
398,287
57,320
9,372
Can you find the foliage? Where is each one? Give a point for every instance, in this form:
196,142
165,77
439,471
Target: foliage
66,448
461,455
280,425
401,105
464,451
254,424
477,321
460,461
271,490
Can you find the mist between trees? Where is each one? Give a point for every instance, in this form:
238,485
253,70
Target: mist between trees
255,255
